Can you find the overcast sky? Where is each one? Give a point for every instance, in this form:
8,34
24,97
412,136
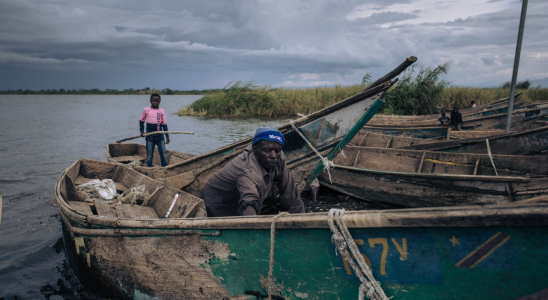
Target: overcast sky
206,44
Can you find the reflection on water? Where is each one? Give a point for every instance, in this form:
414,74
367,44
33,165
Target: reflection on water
44,134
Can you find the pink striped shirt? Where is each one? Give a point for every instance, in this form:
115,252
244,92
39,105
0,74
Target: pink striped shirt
154,116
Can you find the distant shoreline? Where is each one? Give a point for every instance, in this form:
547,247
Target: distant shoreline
145,91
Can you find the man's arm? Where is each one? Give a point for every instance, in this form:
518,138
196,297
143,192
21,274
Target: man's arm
289,194
164,125
249,202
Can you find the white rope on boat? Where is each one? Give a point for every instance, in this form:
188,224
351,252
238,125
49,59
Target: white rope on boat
344,241
327,164
272,243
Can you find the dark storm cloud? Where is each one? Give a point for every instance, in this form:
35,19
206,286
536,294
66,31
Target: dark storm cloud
292,42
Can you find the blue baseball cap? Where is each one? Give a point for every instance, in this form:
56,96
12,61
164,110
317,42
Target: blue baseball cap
269,134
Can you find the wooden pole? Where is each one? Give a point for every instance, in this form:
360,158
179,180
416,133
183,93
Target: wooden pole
155,132
516,66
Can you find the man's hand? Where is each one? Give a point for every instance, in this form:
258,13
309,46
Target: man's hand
142,133
250,211
167,140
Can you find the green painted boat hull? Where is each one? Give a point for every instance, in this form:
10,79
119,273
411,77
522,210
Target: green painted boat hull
410,263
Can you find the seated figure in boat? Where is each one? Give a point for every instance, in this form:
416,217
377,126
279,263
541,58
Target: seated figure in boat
444,119
240,188
472,103
456,118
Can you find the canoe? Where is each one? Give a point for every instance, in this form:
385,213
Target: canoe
530,142
428,253
130,152
522,119
327,130
412,178
467,114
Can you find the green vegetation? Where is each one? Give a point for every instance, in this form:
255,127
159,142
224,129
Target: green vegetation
423,93
245,99
145,91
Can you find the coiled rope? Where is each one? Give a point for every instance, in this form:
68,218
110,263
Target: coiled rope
343,241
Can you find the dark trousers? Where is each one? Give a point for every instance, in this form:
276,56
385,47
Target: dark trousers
156,140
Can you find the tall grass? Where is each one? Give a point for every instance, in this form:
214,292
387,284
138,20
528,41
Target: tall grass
420,94
246,99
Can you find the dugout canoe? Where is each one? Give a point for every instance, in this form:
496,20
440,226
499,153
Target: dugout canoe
467,114
473,252
411,178
522,119
125,153
328,130
530,142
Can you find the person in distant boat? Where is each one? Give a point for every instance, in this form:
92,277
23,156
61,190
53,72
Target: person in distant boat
240,188
472,103
456,118
155,117
444,119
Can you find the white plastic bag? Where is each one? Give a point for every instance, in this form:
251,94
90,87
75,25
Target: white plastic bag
105,187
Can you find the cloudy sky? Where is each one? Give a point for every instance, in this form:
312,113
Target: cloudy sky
185,45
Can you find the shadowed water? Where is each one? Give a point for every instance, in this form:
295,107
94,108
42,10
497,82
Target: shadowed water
40,136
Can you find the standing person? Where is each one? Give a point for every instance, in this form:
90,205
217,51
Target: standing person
456,118
155,117
444,119
240,188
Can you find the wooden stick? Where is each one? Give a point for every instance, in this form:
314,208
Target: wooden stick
409,61
448,133
476,167
491,156
357,156
155,132
0,208
388,144
422,161
363,139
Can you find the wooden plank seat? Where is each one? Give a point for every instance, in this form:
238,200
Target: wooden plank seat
128,158
129,211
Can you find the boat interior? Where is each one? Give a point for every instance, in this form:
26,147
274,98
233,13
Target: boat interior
130,152
156,203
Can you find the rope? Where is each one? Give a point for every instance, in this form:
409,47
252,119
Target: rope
272,242
327,164
491,156
343,241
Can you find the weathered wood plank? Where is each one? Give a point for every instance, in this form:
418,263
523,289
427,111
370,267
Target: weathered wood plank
104,209
81,207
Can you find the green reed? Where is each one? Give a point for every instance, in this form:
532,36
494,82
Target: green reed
420,94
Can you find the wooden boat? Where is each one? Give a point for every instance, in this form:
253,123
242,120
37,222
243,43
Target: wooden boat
130,152
328,130
467,114
530,142
461,252
411,178
522,119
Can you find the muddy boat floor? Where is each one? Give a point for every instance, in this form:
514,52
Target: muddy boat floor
326,200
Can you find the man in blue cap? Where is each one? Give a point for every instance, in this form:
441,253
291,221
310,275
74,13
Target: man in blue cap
240,188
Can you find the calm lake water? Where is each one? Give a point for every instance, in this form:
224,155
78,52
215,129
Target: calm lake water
40,136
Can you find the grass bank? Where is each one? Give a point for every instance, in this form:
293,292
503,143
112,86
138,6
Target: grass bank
417,93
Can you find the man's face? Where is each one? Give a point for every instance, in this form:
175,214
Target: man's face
456,109
268,153
443,111
155,101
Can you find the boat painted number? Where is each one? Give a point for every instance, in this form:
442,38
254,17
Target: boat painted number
399,258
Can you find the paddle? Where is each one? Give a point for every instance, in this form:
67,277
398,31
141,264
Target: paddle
155,132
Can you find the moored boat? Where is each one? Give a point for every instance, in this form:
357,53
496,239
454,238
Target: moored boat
412,178
530,142
428,253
